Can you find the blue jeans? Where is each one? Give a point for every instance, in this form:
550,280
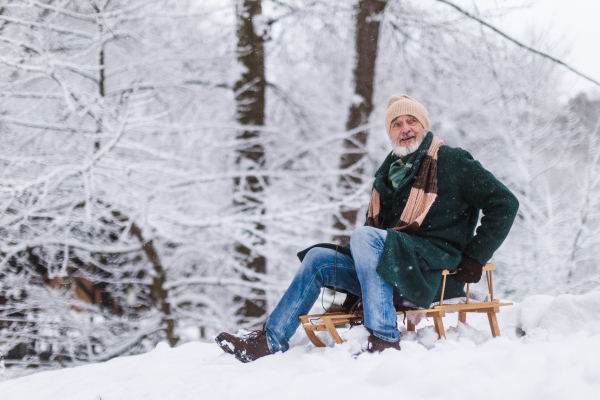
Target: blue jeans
354,274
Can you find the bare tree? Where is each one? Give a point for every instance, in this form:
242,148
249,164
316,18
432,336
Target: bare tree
88,128
250,98
368,17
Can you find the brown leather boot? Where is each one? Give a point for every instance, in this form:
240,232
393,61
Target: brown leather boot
376,345
248,348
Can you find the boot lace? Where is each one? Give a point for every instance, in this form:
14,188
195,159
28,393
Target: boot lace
256,335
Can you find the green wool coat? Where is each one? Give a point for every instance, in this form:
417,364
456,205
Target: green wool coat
413,264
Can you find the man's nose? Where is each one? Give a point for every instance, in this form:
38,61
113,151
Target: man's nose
405,129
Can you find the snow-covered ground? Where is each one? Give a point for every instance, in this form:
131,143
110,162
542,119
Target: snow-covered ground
549,349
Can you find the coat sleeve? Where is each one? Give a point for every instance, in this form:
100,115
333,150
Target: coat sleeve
498,205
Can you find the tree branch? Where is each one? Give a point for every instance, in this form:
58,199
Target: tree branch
482,22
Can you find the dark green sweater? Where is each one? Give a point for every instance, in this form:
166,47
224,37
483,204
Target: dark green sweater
464,188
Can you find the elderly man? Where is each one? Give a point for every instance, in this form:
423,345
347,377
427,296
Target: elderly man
421,220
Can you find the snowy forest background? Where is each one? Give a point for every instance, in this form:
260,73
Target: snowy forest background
163,161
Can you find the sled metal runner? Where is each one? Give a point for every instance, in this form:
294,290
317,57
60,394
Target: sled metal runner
338,317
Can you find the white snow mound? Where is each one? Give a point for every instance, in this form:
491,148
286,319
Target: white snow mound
561,315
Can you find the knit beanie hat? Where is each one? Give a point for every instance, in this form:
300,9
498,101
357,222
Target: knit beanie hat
401,104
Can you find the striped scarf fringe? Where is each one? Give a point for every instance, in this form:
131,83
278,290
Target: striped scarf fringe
422,194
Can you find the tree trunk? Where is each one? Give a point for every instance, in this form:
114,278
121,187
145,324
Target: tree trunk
159,295
157,291
101,79
367,34
250,98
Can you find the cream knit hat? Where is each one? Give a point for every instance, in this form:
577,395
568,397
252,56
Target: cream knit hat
401,104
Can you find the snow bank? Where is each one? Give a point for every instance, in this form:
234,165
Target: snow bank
549,349
560,315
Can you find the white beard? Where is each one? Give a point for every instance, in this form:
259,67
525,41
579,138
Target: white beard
402,151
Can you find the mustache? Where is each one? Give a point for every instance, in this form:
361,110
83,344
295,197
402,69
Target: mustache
407,136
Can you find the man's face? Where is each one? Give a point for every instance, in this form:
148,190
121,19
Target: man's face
406,134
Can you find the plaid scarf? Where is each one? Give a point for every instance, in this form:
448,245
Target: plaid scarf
422,194
400,168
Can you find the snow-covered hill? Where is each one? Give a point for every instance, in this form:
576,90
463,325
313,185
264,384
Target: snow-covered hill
550,349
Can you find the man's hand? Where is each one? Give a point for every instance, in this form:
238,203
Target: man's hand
469,270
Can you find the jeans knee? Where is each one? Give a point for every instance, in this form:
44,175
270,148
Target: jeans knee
366,244
314,259
362,235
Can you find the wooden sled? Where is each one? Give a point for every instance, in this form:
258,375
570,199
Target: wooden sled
337,317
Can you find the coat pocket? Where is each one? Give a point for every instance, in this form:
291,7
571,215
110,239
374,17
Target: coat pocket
436,258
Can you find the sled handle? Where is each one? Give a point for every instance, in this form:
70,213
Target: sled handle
488,268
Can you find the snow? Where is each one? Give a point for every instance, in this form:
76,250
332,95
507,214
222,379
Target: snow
549,349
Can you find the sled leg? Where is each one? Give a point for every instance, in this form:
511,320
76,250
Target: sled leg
462,317
314,338
493,323
439,326
410,327
332,330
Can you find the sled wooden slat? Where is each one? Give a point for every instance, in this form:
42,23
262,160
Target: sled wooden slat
320,327
471,306
336,316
